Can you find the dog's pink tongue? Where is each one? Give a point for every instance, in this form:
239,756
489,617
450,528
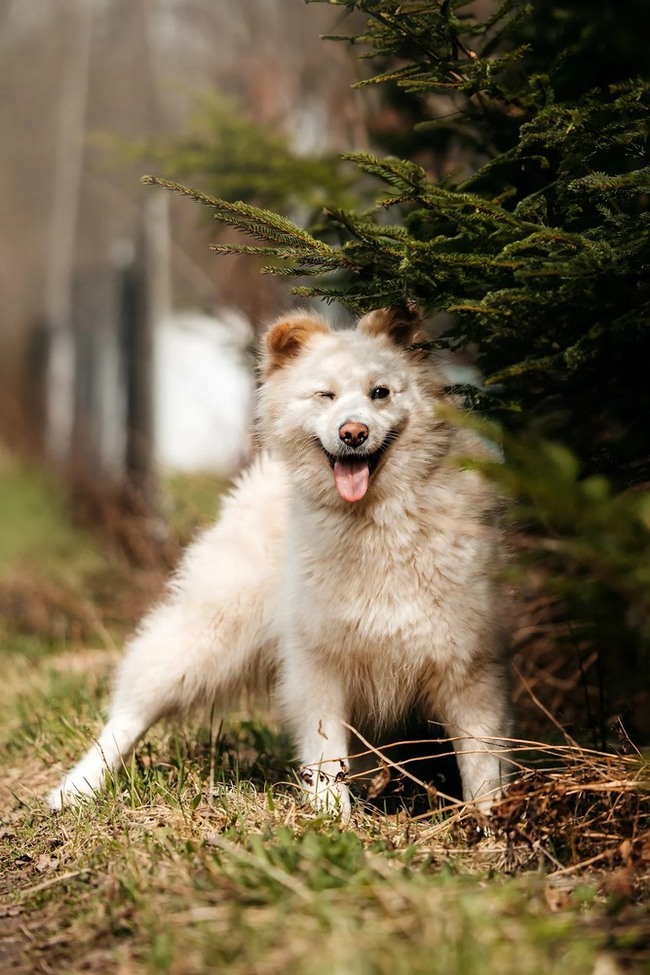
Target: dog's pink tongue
351,479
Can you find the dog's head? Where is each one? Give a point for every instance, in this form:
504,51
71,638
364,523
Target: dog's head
336,405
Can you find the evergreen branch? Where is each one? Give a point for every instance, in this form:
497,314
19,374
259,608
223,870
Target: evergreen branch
227,249
263,224
396,74
598,182
373,234
196,195
545,240
414,184
306,267
399,24
401,174
306,262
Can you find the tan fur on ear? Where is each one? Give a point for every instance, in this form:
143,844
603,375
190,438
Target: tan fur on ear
400,324
286,339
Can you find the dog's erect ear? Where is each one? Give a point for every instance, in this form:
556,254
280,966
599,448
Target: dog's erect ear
286,339
401,324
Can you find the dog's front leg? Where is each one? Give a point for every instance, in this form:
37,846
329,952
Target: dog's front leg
324,769
314,704
477,718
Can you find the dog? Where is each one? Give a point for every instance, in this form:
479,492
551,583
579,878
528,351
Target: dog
352,567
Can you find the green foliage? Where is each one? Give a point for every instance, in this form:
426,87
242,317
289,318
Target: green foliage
33,506
240,159
591,542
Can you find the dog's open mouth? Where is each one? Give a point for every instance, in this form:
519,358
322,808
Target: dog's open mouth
352,472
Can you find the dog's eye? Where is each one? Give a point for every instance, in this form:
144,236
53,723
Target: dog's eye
325,395
380,392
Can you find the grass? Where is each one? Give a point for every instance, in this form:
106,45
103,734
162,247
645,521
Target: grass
31,509
200,858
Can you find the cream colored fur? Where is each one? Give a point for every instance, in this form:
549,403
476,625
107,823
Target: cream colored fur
356,611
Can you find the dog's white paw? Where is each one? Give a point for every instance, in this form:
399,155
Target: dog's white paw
81,782
327,790
67,793
70,791
486,801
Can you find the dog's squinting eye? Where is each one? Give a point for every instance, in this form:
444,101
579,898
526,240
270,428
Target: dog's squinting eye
379,392
325,395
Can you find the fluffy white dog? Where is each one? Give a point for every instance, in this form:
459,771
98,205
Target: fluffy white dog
352,567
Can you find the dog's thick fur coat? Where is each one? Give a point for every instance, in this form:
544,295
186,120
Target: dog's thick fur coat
352,567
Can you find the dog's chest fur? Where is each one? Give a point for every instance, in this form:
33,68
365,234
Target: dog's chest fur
391,592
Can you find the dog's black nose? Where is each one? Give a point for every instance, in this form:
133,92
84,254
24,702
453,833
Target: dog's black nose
353,434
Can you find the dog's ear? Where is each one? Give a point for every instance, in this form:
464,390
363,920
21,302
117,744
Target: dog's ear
401,324
286,339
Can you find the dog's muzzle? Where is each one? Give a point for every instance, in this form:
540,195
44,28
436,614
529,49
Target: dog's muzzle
353,466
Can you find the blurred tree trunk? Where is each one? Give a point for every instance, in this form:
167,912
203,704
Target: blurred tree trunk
63,228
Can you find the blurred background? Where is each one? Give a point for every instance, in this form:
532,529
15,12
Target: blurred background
123,340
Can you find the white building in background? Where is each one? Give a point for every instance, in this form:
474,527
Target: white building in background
202,392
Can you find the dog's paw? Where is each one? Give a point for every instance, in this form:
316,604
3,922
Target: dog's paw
68,793
327,790
57,799
82,782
